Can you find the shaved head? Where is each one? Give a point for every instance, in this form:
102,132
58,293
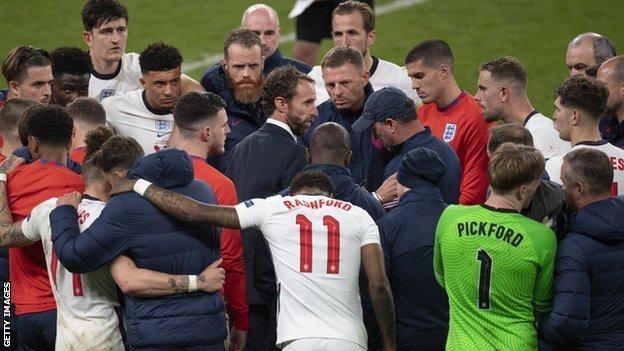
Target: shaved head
260,9
330,143
264,22
611,73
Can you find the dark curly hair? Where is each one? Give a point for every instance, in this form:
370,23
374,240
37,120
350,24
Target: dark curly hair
281,82
159,57
97,12
312,179
586,93
119,152
50,124
70,60
96,138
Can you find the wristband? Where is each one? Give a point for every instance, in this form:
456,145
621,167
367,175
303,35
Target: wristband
192,284
141,186
377,197
3,177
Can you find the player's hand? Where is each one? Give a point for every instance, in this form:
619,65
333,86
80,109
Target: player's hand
388,190
238,339
72,199
212,278
10,164
121,185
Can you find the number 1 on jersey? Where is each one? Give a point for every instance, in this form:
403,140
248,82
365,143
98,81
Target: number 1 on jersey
485,277
305,242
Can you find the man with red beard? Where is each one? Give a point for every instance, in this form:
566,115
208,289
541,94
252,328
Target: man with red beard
238,80
273,154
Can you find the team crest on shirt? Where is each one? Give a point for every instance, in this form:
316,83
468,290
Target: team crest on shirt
249,203
106,93
163,126
449,132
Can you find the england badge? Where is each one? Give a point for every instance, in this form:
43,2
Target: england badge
449,132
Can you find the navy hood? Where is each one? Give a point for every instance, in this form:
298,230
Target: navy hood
601,220
169,168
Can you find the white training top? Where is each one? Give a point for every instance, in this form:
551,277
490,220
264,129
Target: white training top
85,303
616,155
386,74
315,242
130,115
125,79
545,137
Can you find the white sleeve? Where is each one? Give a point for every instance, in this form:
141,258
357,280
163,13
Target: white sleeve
32,226
252,213
553,168
369,230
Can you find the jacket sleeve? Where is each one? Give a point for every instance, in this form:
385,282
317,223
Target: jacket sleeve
232,254
474,164
438,268
99,244
296,161
570,312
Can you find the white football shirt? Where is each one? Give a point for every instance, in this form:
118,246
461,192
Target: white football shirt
85,303
616,155
387,74
130,116
545,137
125,79
315,242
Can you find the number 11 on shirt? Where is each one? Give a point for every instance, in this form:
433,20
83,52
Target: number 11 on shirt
305,241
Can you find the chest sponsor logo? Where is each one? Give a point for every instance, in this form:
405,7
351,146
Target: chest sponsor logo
106,93
163,126
449,132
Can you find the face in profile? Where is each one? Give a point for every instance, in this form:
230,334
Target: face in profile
562,117
219,129
162,88
243,72
607,74
345,86
301,108
488,96
68,87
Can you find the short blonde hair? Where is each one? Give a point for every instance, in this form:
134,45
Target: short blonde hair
513,165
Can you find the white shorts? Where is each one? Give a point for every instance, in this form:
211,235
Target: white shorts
319,344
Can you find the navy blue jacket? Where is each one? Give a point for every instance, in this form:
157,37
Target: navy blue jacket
347,189
277,60
449,184
588,305
407,238
367,161
131,225
262,165
612,130
243,119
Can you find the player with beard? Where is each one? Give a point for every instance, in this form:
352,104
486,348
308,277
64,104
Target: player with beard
612,123
238,80
273,152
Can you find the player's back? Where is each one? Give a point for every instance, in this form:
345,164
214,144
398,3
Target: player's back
496,266
316,243
86,315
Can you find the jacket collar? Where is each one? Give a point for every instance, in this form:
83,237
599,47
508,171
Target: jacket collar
341,176
419,139
272,62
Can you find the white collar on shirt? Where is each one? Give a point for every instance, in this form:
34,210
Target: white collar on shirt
281,125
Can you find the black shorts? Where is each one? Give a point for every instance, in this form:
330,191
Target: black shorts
314,23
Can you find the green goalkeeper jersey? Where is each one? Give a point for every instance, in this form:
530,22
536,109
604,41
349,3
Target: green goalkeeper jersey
497,269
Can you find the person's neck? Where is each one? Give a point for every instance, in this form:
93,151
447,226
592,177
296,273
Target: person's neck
278,116
368,61
103,66
191,147
360,103
580,134
519,110
620,114
589,199
93,191
53,154
8,146
408,130
79,139
451,93
326,161
503,202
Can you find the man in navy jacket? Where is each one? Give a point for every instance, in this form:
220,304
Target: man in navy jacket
392,116
588,289
348,88
329,153
238,80
407,238
132,226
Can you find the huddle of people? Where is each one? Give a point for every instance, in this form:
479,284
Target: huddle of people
348,206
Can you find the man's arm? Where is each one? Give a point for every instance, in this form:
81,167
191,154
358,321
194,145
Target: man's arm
381,296
140,282
182,207
10,233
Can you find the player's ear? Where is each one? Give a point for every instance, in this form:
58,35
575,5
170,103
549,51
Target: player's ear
206,134
370,38
87,36
14,87
504,93
142,81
